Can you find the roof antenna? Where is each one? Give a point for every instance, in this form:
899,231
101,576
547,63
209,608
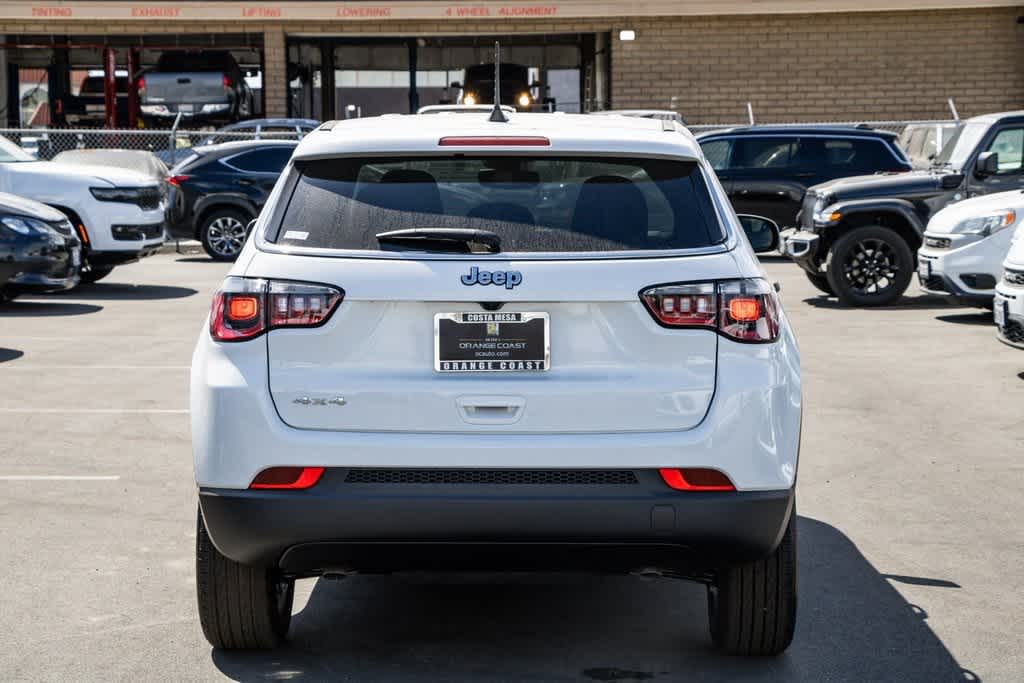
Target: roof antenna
497,114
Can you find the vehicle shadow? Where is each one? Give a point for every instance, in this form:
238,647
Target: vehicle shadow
41,309
10,354
195,259
973,318
853,625
115,291
905,303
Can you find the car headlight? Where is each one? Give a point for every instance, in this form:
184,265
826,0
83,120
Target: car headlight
820,216
986,224
23,225
130,195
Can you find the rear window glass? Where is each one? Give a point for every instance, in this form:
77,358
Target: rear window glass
535,204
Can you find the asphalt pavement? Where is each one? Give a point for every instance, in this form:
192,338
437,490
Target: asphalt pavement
911,542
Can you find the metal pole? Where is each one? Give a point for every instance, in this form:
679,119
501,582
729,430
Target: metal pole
110,87
952,108
750,113
173,141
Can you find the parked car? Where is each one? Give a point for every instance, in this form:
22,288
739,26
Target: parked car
965,244
516,89
88,108
38,248
221,189
118,214
1008,303
459,344
766,170
858,236
660,114
271,129
204,87
922,142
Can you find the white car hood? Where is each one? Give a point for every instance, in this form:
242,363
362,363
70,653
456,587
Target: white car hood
944,220
25,175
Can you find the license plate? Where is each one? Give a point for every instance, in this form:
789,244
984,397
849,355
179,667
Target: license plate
76,257
924,269
185,107
999,312
491,341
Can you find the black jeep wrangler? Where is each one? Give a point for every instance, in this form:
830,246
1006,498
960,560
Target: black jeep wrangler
858,237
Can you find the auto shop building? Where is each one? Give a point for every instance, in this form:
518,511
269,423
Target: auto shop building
792,60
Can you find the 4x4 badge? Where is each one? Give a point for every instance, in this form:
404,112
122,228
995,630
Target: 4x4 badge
508,278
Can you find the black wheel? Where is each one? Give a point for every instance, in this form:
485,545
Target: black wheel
870,266
223,233
752,608
92,274
240,607
821,282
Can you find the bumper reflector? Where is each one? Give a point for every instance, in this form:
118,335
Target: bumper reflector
696,479
287,478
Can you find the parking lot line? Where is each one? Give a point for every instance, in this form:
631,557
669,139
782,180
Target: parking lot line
59,477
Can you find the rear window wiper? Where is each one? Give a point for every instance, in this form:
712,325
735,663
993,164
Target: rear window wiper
458,240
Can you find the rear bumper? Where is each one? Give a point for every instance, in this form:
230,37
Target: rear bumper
118,258
339,526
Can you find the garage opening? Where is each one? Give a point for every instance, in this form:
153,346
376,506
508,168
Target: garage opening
89,81
340,77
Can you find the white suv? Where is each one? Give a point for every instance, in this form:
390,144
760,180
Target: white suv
118,213
965,244
1008,305
456,343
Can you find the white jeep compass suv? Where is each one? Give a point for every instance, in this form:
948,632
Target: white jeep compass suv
543,343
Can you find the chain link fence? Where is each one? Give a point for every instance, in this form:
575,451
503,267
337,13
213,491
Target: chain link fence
172,146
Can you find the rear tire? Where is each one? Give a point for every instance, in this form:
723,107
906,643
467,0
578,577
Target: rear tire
223,232
240,607
870,266
821,282
752,608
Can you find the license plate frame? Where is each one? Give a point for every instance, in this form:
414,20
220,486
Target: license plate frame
76,257
529,359
999,311
924,270
186,108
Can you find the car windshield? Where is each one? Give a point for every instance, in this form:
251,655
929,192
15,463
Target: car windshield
11,152
533,204
961,143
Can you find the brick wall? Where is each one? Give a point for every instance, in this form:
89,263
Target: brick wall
791,67
897,65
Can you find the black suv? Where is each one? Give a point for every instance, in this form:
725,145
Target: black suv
858,237
767,169
221,188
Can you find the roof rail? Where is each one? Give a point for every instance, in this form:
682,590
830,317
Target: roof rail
327,125
668,126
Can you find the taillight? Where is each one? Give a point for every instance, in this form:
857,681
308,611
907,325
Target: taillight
245,308
176,180
140,85
287,478
228,83
696,479
744,310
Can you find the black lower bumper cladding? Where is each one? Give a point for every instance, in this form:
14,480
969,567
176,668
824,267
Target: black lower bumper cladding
594,522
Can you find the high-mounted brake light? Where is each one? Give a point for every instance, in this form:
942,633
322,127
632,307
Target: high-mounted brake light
245,308
696,479
744,310
293,478
494,141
